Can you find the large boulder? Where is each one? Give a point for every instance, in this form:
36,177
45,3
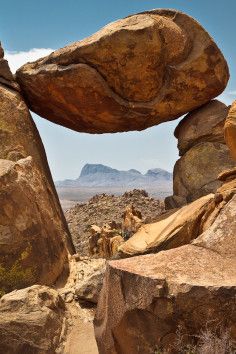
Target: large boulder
32,320
31,249
203,124
180,228
34,236
134,73
195,173
203,152
230,130
145,300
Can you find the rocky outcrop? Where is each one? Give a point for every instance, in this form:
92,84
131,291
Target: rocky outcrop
134,73
107,209
201,142
146,299
32,320
204,124
32,225
230,130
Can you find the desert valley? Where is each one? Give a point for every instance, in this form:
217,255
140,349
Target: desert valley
120,261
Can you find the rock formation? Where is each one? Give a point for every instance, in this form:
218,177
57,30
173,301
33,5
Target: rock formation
34,237
134,73
31,321
204,154
105,209
146,299
230,130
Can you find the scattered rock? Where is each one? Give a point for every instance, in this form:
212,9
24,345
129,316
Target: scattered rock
146,299
32,320
205,124
161,64
103,209
230,130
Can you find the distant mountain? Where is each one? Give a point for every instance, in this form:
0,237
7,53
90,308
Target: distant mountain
97,175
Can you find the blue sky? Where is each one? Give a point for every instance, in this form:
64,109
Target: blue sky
26,24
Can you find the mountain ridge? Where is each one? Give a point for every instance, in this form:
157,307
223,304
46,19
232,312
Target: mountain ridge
96,175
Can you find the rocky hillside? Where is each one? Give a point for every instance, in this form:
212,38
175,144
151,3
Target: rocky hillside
107,208
98,175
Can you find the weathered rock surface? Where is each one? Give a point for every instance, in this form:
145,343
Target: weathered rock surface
90,278
195,173
31,321
134,73
230,130
204,154
32,225
145,299
180,228
205,124
31,250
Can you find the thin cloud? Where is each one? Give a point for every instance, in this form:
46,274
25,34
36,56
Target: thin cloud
17,59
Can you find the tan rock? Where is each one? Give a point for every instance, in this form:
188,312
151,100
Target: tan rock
31,248
175,230
32,320
89,284
134,73
230,130
31,218
196,173
146,299
205,124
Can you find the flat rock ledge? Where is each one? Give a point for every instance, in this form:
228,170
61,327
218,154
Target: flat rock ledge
146,299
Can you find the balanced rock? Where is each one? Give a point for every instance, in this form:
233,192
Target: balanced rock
34,237
146,299
203,124
32,320
134,73
230,130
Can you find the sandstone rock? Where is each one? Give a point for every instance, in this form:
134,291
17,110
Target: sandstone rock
205,124
146,299
6,76
31,249
89,285
31,219
195,173
32,320
230,130
134,73
173,231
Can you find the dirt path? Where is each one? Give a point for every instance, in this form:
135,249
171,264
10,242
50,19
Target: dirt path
81,339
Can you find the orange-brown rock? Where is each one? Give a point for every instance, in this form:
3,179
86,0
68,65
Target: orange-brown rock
134,73
146,299
230,130
175,230
205,124
196,172
34,237
32,320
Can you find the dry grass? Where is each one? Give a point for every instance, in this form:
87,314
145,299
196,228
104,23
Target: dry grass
208,342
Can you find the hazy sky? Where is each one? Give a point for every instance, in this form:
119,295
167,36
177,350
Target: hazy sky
31,29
